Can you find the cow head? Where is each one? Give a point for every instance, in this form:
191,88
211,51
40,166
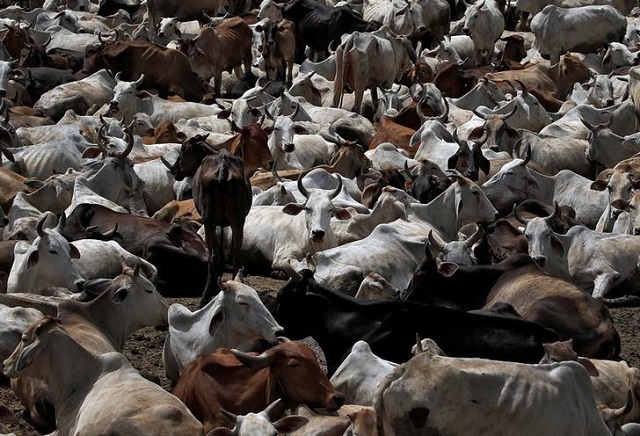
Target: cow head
28,359
632,207
68,21
47,261
570,70
137,302
260,423
544,245
281,138
500,136
427,181
469,160
514,183
239,307
169,28
471,204
318,209
7,72
125,98
192,152
297,370
459,252
600,93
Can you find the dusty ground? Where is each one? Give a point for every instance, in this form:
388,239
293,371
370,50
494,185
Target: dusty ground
144,348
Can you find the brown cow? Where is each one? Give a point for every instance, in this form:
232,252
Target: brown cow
242,383
278,49
179,211
556,79
164,133
164,69
218,49
222,195
390,131
453,82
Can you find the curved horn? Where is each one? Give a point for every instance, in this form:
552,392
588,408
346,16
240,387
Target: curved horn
117,76
61,222
436,241
527,155
481,140
443,118
408,171
557,213
336,191
508,115
138,82
102,140
130,141
475,237
517,214
102,120
250,361
479,114
301,187
40,223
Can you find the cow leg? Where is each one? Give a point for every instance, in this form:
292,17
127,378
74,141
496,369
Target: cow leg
374,99
211,288
602,283
357,104
236,246
217,81
289,72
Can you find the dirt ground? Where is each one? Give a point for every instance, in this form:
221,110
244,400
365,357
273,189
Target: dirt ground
144,348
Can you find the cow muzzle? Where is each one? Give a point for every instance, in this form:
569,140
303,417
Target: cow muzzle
540,260
317,235
636,231
466,31
289,147
335,402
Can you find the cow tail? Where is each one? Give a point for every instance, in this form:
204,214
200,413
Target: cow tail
338,85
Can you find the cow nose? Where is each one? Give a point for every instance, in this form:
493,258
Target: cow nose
616,212
610,102
421,29
540,260
636,230
466,30
337,400
317,234
3,92
289,147
79,284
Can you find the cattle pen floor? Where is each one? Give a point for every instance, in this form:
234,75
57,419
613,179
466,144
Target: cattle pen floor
144,348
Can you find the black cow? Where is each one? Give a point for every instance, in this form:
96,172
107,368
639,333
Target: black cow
337,321
318,25
179,254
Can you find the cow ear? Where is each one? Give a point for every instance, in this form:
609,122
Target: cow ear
289,424
91,152
599,185
34,183
26,357
341,213
556,245
452,162
635,184
224,114
589,366
293,208
181,136
216,319
33,259
447,269
120,295
73,252
485,165
476,133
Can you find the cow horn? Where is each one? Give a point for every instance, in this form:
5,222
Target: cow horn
479,114
102,139
436,241
527,155
271,408
508,115
518,216
239,276
102,120
419,348
40,224
61,222
111,233
164,161
230,416
336,191
130,141
408,171
588,125
301,187
250,361
482,139
557,213
475,237
117,76
138,82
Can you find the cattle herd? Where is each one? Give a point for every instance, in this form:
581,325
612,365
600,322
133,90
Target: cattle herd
451,191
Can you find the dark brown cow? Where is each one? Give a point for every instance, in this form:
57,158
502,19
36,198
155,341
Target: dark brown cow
388,130
164,69
251,144
15,39
168,247
278,49
222,195
242,383
221,48
373,188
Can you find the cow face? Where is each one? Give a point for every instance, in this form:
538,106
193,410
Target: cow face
600,93
191,155
6,73
544,245
28,358
259,423
47,261
298,372
318,210
632,207
125,99
472,205
513,184
281,139
241,308
139,302
168,28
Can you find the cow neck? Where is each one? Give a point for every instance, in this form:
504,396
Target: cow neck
66,357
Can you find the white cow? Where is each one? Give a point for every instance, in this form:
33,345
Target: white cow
253,424
596,262
484,22
234,319
488,398
585,29
360,374
96,393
